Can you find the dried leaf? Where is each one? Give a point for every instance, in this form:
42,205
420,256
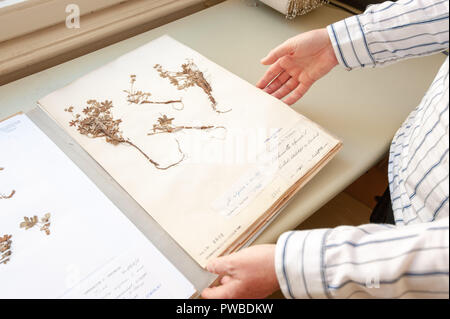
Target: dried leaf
2,196
11,194
5,249
30,222
189,76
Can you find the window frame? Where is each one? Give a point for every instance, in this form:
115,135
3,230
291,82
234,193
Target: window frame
33,15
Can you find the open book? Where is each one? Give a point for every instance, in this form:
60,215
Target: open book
210,157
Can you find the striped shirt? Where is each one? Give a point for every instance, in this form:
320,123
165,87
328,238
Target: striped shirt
410,259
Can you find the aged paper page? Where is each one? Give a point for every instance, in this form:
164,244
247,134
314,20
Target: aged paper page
92,250
227,163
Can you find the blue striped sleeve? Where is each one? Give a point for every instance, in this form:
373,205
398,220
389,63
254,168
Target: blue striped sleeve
299,261
391,31
382,262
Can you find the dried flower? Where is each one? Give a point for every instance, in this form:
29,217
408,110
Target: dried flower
165,125
190,76
43,223
140,97
5,249
97,121
300,7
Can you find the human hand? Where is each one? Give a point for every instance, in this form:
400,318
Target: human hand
297,64
249,273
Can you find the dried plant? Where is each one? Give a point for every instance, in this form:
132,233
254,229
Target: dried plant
11,194
301,7
5,249
97,121
3,196
165,125
190,76
140,97
43,223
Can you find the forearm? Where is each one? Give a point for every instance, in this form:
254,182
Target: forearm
391,31
372,260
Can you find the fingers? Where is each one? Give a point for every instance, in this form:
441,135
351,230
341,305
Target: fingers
270,74
277,83
226,291
286,88
225,280
220,266
284,49
297,94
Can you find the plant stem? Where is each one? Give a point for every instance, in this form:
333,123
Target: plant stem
164,102
152,161
142,152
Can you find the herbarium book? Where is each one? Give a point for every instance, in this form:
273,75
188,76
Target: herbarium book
209,156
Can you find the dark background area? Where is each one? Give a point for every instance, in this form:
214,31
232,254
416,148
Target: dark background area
360,4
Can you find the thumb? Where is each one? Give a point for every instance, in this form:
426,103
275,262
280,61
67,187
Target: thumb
284,49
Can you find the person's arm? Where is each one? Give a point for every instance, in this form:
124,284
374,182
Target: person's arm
391,31
383,34
381,261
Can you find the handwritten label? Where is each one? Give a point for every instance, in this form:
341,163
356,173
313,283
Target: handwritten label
243,191
299,150
290,153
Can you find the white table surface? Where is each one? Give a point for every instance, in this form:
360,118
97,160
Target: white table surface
363,107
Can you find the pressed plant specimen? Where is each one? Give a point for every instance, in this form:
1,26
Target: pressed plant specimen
43,223
140,97
97,121
7,196
164,125
5,249
3,196
190,76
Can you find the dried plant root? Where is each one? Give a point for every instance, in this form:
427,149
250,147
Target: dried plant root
181,159
139,97
97,122
190,76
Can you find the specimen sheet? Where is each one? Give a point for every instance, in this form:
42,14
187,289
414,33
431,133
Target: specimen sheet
204,152
91,250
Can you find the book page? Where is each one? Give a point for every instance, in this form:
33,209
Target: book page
202,151
87,248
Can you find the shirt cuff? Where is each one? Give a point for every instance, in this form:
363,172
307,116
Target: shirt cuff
350,44
299,263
